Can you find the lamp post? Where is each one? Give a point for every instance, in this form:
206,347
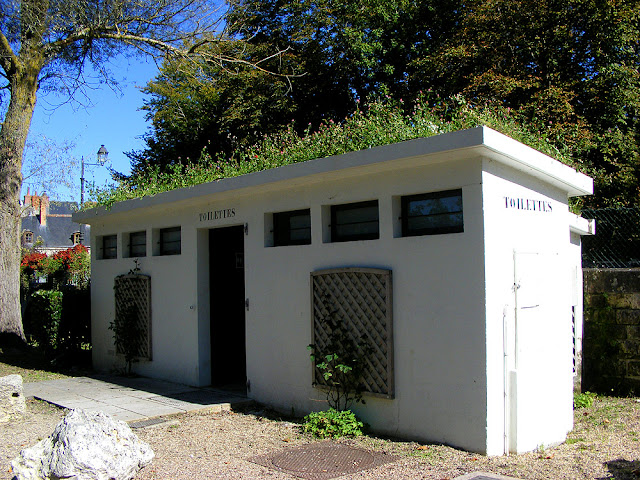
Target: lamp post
102,156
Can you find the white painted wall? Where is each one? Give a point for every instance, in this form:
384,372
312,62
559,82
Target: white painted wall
438,310
453,295
173,285
528,248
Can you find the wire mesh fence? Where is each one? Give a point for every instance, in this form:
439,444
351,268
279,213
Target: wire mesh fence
616,243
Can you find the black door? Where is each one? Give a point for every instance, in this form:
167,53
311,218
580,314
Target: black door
226,275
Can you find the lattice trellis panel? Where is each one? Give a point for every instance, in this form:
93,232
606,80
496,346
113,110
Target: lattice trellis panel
134,290
362,298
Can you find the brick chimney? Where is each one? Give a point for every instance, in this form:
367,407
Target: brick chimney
27,199
35,202
44,209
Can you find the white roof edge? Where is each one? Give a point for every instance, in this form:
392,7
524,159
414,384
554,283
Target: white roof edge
503,148
577,183
581,226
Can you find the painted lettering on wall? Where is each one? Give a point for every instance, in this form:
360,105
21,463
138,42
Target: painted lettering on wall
218,214
528,204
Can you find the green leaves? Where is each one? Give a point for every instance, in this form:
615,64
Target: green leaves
380,122
332,424
583,400
568,70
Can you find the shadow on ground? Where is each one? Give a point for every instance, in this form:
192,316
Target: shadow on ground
621,469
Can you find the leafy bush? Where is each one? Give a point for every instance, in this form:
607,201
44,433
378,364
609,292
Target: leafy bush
381,122
43,318
126,334
333,424
341,362
75,324
583,400
72,265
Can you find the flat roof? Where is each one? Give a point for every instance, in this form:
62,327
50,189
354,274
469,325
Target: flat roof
474,142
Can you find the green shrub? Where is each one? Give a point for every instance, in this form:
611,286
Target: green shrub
126,334
75,324
43,318
332,424
341,364
380,122
583,400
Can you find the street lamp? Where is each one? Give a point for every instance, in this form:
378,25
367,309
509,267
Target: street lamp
102,156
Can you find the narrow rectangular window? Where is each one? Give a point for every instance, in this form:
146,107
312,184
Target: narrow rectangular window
432,213
170,241
76,238
138,244
292,228
355,221
110,247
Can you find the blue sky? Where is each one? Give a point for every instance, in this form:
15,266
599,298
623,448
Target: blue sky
113,119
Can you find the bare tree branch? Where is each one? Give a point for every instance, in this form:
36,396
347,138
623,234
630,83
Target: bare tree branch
8,59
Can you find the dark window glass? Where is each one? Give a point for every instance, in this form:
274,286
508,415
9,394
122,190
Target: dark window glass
292,228
110,246
354,221
28,237
170,241
432,213
138,244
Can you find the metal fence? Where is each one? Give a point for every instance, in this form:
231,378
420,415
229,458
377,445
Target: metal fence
616,243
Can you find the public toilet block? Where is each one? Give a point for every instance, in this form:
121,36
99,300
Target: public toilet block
455,256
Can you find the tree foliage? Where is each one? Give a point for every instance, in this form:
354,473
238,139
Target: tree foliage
198,103
379,123
570,69
54,45
335,53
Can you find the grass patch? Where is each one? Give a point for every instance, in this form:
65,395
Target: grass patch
571,441
34,366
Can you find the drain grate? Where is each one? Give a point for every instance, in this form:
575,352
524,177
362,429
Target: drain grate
147,423
322,461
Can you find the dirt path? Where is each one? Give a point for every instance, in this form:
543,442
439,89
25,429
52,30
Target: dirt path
605,443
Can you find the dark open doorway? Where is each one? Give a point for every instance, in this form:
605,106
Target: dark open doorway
226,280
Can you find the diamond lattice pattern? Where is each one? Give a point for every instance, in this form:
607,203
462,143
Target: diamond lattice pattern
362,297
135,289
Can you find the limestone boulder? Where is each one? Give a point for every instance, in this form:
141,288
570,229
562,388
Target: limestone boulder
85,446
12,402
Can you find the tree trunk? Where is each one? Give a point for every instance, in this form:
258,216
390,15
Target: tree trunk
13,135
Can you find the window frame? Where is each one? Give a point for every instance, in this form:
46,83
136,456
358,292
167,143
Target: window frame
405,202
164,251
282,228
132,245
105,249
336,209
27,236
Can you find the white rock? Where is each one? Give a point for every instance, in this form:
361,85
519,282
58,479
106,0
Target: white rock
84,446
12,403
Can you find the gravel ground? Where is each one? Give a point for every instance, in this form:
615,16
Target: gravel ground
605,444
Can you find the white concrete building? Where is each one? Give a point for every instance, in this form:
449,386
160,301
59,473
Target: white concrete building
465,240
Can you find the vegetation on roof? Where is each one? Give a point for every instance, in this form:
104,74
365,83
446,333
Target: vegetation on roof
380,122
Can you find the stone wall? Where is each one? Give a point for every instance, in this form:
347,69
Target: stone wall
611,339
